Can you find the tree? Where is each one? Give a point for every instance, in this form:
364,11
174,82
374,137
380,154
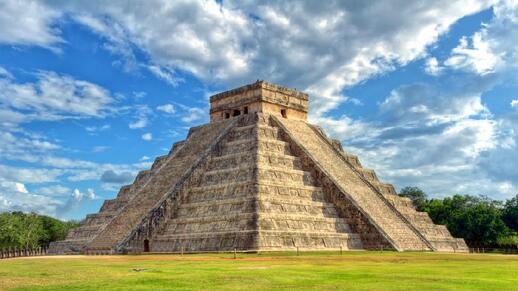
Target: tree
30,230
415,194
510,213
9,230
476,219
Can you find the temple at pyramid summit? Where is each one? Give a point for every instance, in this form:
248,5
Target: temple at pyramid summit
257,177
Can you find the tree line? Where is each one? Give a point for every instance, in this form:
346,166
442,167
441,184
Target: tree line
31,230
481,221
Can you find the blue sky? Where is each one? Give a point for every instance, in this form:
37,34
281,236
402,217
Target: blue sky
91,92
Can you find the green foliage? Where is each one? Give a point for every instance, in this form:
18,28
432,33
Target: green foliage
476,219
30,230
479,220
508,241
415,194
510,213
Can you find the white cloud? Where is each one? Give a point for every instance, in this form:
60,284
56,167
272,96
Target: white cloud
23,146
53,191
432,67
514,103
142,120
139,123
54,97
29,23
14,196
4,73
94,129
477,57
12,186
323,49
117,41
147,136
167,108
77,194
29,175
335,44
194,114
422,102
21,188
444,141
165,74
144,158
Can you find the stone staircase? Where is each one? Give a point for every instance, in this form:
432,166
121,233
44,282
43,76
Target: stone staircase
437,235
77,239
166,174
254,195
401,234
257,177
252,183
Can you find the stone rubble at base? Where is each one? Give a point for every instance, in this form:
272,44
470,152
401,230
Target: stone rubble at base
258,177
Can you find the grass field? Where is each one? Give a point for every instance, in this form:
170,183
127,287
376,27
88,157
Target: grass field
316,270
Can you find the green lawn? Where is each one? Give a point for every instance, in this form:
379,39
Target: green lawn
316,270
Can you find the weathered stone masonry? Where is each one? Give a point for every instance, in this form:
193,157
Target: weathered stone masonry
257,177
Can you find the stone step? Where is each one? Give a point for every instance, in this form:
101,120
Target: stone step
369,174
245,240
279,233
275,160
112,205
224,176
88,227
416,217
200,140
285,176
239,215
100,217
142,177
253,130
267,221
177,145
252,145
67,247
159,161
353,160
275,240
124,192
251,203
399,202
216,241
263,198
242,174
386,189
315,209
241,189
343,175
234,160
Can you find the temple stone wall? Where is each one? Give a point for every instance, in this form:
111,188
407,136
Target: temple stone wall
261,180
245,201
155,188
262,97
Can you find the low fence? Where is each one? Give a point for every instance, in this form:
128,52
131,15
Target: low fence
22,252
494,250
42,251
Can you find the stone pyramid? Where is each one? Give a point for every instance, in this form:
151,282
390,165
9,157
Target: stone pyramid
257,177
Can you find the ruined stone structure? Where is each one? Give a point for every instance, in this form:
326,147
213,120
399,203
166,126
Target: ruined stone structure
257,177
